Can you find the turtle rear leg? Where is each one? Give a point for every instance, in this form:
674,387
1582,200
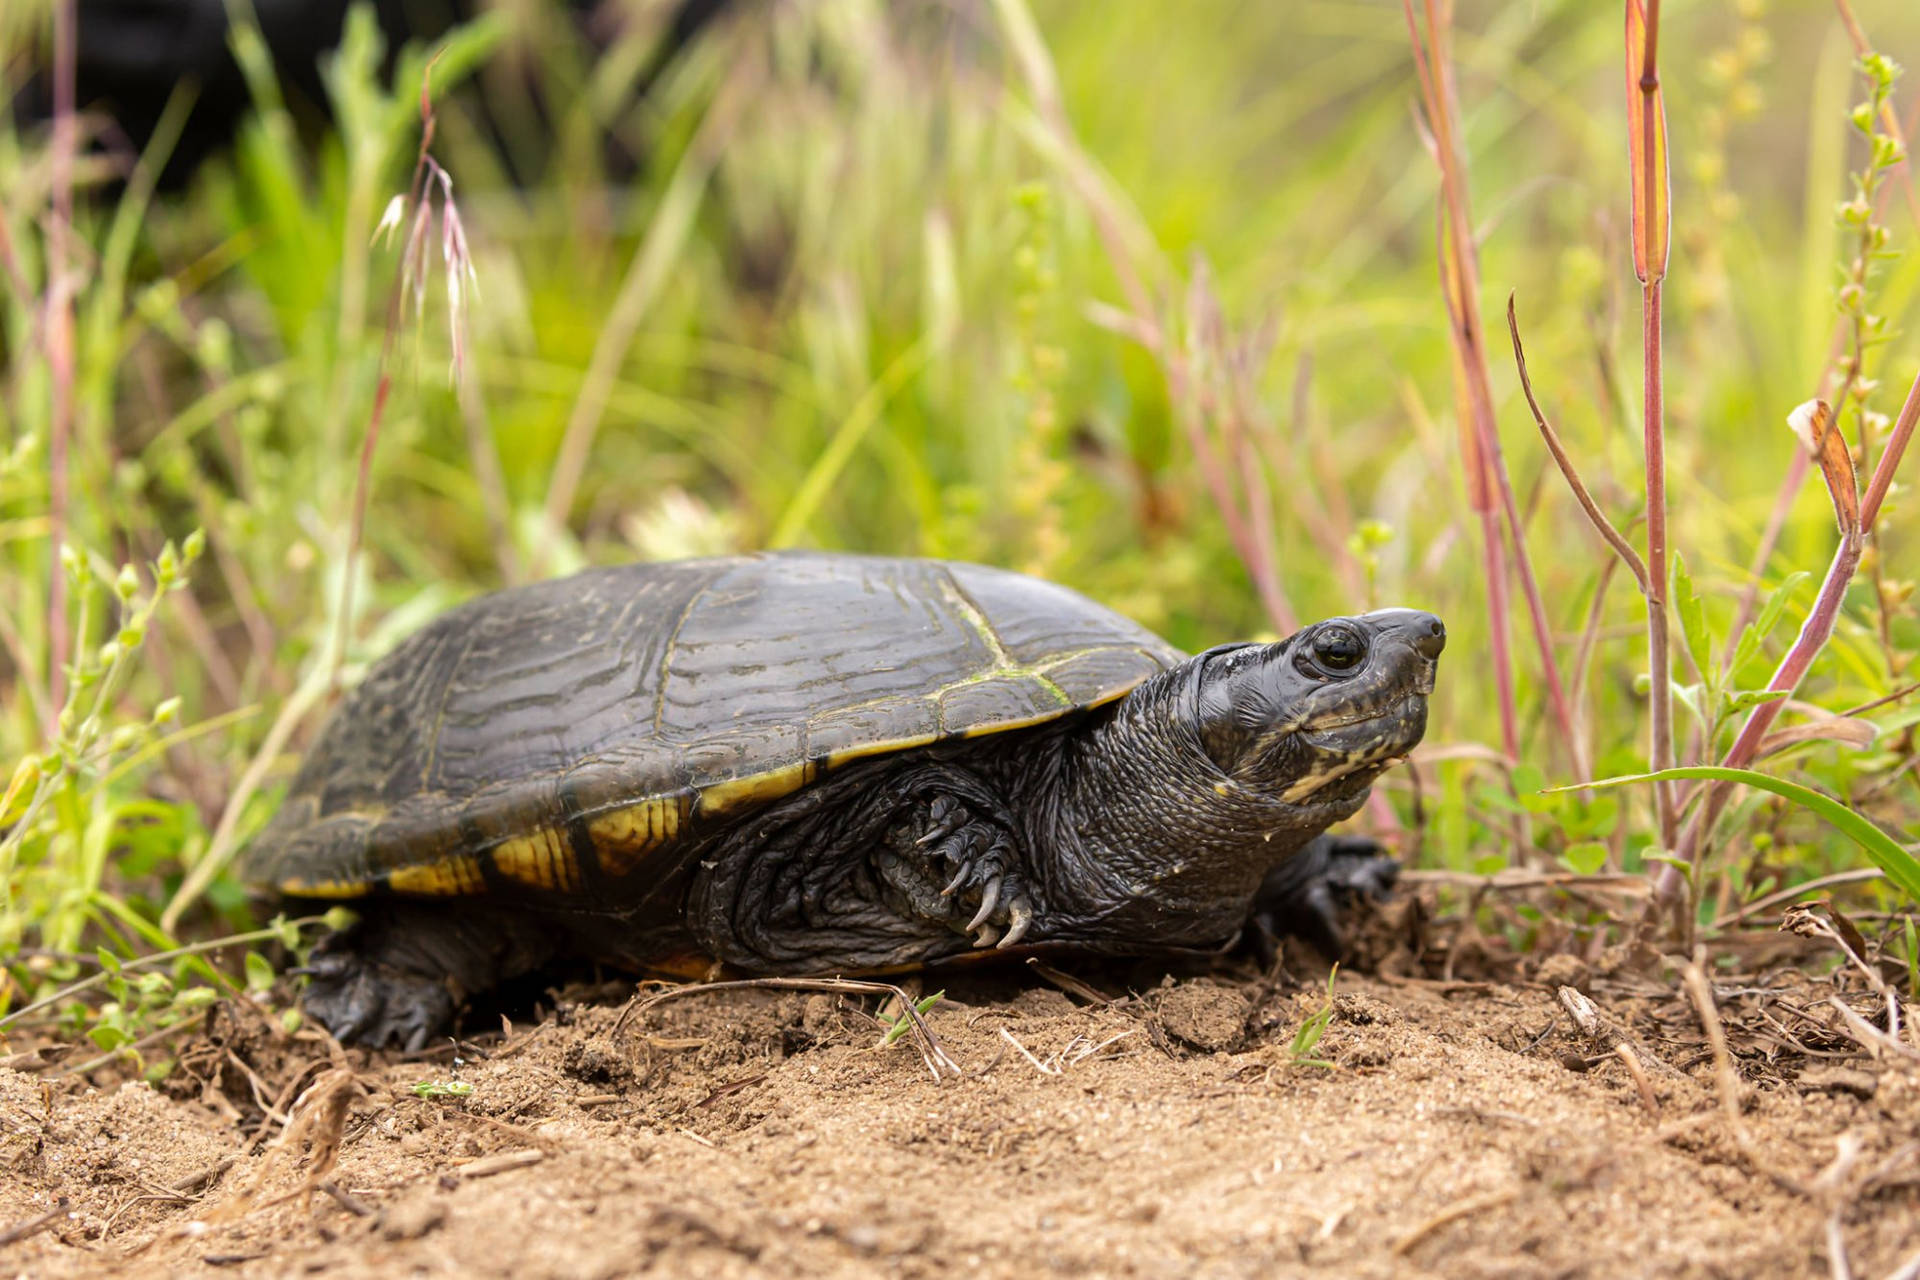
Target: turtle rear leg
402,972
1304,895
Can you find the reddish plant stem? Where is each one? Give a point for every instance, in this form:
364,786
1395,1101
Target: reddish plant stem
419,192
1530,587
1488,479
59,330
1659,660
1651,234
1815,632
1497,606
1890,458
1769,539
1901,175
1188,391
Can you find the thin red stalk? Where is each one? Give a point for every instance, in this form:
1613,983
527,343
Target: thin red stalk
1651,232
59,329
1659,661
1818,628
1596,517
1529,587
1492,479
1890,458
419,192
1769,539
1501,644
1189,394
1797,472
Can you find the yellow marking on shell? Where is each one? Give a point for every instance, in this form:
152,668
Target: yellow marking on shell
449,878
755,788
625,836
1003,726
1114,696
541,859
325,888
846,755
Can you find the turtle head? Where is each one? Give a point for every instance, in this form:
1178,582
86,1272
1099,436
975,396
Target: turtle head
1172,808
1314,718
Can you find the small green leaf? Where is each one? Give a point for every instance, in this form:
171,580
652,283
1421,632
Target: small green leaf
1665,859
290,1020
1587,858
1900,866
1690,696
1692,612
1768,618
108,961
899,1028
108,1036
259,972
442,1089
1743,699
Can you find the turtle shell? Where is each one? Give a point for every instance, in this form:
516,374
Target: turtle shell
556,737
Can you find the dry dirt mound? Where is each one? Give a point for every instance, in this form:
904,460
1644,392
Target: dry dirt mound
1172,1132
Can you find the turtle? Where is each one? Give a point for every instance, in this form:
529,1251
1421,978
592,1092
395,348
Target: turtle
826,764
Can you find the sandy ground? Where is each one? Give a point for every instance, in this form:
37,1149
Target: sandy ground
1162,1129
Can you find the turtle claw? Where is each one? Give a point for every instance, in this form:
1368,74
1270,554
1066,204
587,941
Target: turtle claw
978,861
1020,919
989,899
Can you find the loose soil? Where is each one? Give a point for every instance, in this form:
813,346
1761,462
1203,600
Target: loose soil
1115,1122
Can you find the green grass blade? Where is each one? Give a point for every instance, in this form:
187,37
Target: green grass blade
1900,866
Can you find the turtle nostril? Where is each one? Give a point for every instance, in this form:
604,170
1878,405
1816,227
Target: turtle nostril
1433,641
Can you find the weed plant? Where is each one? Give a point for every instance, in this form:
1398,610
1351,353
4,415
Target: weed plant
1144,297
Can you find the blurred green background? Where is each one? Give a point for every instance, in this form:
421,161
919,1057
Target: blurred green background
833,281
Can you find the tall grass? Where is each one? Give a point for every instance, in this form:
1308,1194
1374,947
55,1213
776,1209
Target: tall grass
1149,305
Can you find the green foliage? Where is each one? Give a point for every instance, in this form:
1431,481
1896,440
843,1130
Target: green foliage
1900,866
1306,1037
903,1024
831,282
442,1089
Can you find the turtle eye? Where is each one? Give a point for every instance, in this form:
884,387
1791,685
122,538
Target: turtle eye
1338,648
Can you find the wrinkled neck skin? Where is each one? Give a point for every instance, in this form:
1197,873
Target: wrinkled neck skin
1135,834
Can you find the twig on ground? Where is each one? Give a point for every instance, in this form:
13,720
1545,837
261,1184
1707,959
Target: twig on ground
1726,1079
1855,876
34,1226
1648,1099
507,1161
1453,1213
1038,1065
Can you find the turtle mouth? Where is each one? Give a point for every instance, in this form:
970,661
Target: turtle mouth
1346,751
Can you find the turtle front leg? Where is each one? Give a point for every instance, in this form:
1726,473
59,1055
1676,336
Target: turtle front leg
400,974
979,860
1305,895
